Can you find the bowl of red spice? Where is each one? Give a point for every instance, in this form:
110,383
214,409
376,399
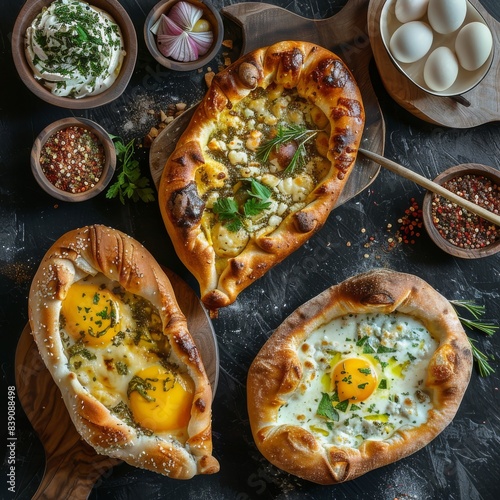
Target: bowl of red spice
456,230
183,35
73,159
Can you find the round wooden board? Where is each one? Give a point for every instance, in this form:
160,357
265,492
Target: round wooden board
345,34
72,466
484,99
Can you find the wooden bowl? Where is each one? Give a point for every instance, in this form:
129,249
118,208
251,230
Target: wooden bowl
466,80
30,10
109,165
445,245
210,13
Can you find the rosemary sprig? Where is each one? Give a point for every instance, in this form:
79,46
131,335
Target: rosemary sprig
286,135
477,311
482,359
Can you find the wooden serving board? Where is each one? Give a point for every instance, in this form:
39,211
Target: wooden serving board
484,99
72,466
345,33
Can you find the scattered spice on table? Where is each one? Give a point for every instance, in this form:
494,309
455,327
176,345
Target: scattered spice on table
410,225
73,159
459,226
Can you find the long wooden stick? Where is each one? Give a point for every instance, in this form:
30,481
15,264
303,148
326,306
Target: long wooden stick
431,186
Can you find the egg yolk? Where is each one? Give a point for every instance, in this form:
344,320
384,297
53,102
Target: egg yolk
160,401
354,379
91,314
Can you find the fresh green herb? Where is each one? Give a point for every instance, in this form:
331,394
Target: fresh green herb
383,384
285,135
141,385
368,349
482,360
477,311
118,338
382,349
365,371
342,406
362,386
79,349
362,340
229,212
121,368
355,407
325,408
130,184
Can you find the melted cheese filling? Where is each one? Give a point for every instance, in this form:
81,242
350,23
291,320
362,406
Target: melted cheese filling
231,158
114,344
363,378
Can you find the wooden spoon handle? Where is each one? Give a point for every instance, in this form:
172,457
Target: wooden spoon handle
431,186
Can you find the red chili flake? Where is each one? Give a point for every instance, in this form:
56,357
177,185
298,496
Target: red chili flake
459,226
73,159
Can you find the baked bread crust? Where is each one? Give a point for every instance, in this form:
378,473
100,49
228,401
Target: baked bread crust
320,77
120,258
276,373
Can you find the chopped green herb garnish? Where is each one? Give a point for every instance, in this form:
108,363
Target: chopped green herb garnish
325,408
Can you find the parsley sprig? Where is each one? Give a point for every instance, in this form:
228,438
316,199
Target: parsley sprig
477,311
229,212
130,184
286,135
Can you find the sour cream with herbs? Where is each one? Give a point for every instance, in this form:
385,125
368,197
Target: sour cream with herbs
74,49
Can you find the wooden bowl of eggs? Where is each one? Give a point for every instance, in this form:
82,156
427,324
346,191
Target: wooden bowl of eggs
445,47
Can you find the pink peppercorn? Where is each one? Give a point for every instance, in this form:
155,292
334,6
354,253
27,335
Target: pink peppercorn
457,225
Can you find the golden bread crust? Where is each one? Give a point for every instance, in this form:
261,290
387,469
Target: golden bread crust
276,373
98,249
321,78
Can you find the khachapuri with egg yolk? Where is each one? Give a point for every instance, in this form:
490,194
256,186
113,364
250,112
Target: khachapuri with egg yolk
108,327
261,164
364,374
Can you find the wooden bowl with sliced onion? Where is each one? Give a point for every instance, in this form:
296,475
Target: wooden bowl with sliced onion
183,35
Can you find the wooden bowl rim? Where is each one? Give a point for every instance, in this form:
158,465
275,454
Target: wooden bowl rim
473,15
109,166
450,173
26,15
164,6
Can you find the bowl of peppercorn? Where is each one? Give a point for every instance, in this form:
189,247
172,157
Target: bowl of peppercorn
73,159
73,54
456,230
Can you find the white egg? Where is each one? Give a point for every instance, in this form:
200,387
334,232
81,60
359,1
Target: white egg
411,41
446,16
473,45
440,69
410,10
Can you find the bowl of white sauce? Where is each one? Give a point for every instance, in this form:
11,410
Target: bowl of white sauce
72,53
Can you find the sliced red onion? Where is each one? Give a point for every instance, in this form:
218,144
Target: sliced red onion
185,15
180,47
203,40
168,27
174,36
